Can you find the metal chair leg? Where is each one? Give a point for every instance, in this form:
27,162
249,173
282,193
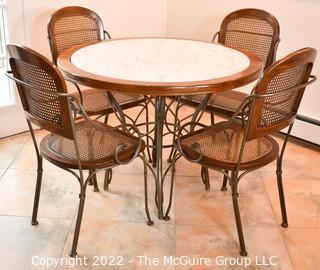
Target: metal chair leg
205,177
82,197
34,220
212,118
90,183
235,195
107,179
147,131
106,118
173,172
175,129
146,205
108,173
225,182
284,223
94,182
154,149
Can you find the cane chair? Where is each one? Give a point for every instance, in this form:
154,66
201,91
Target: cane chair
72,26
74,143
254,30
243,143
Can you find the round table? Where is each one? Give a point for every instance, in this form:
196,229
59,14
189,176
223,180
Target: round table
160,67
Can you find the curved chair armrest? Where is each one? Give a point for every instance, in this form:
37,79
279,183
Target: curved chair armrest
193,146
105,32
215,36
275,50
126,128
249,99
29,86
241,111
124,146
77,87
312,79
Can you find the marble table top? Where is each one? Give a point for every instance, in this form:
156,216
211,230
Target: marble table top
160,60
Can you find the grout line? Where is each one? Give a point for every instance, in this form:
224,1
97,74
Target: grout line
25,216
14,135
64,246
2,174
45,170
14,159
266,226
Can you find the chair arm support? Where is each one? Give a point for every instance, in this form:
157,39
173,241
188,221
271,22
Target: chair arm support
275,50
77,87
105,32
215,36
194,145
126,128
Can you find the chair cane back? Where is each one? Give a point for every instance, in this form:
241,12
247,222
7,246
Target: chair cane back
254,30
72,26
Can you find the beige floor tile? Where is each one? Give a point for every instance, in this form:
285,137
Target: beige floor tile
10,147
27,159
20,242
221,242
302,200
59,193
304,247
194,205
187,168
298,162
125,200
133,168
129,240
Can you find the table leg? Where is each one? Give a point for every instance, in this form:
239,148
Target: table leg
160,111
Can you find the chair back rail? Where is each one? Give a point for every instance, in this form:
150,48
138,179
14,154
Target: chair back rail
48,109
71,26
254,30
273,106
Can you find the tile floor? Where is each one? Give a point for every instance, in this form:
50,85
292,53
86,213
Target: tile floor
201,225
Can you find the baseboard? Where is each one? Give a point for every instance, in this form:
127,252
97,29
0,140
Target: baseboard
307,131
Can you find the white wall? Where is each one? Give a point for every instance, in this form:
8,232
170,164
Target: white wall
122,18
12,117
299,27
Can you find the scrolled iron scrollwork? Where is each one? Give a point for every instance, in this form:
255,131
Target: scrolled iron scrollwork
195,146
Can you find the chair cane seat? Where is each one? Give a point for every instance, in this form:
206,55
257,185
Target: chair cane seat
95,101
96,147
226,102
220,146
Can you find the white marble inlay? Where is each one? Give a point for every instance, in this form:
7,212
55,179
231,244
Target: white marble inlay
160,60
